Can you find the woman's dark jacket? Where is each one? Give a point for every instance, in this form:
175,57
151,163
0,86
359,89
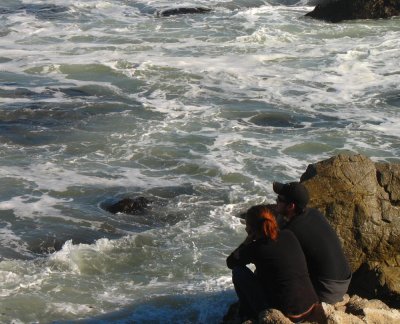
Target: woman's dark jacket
282,270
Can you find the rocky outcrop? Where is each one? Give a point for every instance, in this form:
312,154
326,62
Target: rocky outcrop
359,310
339,10
361,200
352,310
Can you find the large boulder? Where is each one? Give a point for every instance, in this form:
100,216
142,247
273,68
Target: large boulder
338,10
361,200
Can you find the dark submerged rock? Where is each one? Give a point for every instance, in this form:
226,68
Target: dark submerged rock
130,206
274,120
182,11
339,10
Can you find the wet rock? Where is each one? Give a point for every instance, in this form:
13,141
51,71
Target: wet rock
354,310
130,206
272,316
274,120
360,198
182,11
339,10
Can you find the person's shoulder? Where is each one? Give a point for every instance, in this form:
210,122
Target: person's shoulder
286,234
311,211
315,214
289,238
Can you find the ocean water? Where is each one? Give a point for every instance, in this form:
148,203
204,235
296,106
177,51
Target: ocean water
101,100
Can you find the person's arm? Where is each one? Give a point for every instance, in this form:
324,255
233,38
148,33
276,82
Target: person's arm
243,254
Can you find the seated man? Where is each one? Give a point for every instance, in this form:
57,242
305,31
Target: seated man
328,267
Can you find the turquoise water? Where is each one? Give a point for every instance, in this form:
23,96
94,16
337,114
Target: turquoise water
101,100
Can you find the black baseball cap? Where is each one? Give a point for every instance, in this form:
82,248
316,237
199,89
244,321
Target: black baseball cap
292,192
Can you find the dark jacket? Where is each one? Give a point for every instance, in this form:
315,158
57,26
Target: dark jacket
282,270
326,261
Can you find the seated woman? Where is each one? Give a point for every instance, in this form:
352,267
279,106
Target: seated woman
281,278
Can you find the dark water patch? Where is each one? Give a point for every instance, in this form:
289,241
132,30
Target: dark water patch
4,32
393,99
275,120
172,192
20,80
5,11
39,114
327,121
283,2
244,109
75,92
49,240
196,307
24,93
37,124
143,8
40,11
96,72
50,114
242,4
45,11
21,136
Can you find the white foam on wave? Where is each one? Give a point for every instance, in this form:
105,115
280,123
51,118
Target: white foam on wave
32,207
50,176
8,238
388,127
86,258
105,266
65,308
308,69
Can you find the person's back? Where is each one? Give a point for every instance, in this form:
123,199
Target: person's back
326,261
282,268
327,264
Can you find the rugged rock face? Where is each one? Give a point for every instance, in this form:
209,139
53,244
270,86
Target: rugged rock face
361,200
354,310
338,10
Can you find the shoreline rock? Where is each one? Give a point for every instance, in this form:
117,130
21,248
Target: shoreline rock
352,310
339,10
361,200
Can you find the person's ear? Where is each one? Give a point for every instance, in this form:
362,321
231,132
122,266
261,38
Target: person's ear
291,206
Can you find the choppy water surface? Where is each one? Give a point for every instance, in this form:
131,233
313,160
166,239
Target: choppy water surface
101,100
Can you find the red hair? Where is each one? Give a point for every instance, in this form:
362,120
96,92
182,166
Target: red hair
262,215
270,226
